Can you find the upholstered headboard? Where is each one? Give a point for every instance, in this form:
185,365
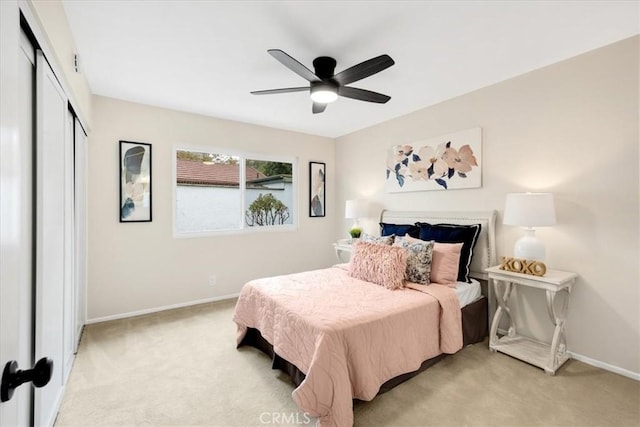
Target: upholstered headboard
484,253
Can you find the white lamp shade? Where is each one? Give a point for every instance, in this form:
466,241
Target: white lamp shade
529,209
354,209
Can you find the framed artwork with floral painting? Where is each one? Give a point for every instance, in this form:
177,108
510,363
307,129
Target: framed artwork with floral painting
446,162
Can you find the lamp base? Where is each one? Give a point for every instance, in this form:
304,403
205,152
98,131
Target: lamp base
529,247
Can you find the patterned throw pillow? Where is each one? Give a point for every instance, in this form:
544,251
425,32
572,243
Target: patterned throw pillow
418,258
383,240
380,264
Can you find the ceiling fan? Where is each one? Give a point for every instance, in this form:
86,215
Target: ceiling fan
325,85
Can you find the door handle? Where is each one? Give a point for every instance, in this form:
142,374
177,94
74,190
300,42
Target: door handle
12,377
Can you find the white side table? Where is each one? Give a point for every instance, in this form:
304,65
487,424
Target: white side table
548,356
343,248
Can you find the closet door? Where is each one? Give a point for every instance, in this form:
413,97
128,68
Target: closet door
17,75
69,280
51,132
80,142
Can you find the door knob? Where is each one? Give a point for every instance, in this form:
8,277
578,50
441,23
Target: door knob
12,377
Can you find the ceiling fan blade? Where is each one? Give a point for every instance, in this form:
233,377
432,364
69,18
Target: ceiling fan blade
318,108
293,65
284,90
364,69
362,95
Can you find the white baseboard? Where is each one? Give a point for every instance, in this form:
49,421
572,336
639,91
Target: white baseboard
596,363
157,309
606,366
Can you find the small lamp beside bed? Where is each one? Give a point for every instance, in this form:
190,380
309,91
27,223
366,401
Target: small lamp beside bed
529,210
355,209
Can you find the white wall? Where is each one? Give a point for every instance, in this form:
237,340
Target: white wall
207,208
53,20
571,129
141,266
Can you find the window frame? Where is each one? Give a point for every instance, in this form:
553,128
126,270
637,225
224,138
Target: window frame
243,156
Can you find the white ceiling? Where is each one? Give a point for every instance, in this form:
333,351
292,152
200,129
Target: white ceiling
206,56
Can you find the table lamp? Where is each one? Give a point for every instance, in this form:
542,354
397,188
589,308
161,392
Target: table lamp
529,210
355,209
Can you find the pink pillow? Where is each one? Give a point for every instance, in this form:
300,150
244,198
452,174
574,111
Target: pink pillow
380,264
444,263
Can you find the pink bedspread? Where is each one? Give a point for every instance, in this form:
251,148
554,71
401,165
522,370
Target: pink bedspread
348,336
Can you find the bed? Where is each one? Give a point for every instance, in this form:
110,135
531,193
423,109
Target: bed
341,338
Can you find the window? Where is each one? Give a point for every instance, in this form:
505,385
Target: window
210,197
268,193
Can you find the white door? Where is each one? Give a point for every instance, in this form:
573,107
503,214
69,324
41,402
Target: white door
80,155
69,312
16,210
51,228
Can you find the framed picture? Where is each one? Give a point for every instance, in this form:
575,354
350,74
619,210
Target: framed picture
135,182
316,189
446,162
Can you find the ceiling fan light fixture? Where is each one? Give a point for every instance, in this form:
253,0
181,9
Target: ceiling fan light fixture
324,93
325,86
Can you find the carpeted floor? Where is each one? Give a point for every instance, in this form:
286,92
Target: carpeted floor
181,368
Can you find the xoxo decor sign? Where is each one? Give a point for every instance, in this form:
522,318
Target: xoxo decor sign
534,268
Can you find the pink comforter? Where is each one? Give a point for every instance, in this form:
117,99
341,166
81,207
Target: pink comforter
348,336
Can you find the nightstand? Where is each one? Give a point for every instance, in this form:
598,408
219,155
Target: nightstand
343,248
548,356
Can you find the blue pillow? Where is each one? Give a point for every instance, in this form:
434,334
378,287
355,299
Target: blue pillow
454,233
399,229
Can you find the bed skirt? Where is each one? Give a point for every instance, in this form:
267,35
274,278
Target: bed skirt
474,329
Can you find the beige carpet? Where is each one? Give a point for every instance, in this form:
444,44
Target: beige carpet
181,368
